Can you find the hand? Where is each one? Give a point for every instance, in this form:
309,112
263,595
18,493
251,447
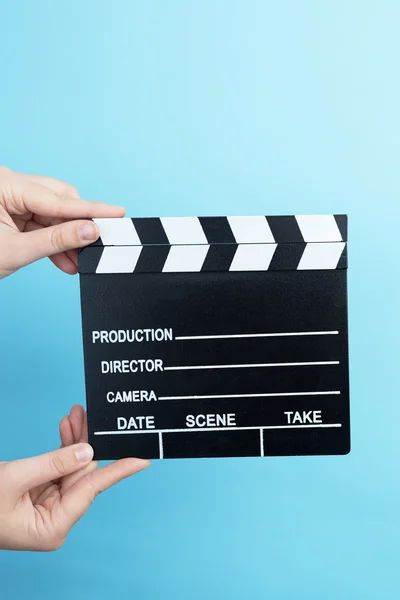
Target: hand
41,498
37,220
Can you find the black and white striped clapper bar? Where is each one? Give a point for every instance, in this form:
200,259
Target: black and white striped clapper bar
216,336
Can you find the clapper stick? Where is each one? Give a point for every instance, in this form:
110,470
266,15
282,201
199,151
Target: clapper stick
216,336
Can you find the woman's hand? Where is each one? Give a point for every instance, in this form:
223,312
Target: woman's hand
41,498
38,218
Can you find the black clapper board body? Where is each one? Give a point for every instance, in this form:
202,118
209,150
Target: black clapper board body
216,337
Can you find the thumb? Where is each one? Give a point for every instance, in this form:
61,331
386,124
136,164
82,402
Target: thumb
27,473
48,241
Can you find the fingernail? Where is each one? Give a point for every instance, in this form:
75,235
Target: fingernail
88,231
84,453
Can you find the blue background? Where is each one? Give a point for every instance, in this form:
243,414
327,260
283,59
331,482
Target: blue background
211,107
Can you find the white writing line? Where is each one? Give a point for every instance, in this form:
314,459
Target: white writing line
160,444
261,442
188,430
216,396
254,335
287,364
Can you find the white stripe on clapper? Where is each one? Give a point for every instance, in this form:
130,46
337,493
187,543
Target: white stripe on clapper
160,444
119,259
185,259
261,442
319,228
117,232
183,230
321,256
251,230
253,257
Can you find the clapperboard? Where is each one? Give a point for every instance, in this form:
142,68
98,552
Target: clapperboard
216,336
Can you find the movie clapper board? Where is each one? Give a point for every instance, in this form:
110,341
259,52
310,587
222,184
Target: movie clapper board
216,336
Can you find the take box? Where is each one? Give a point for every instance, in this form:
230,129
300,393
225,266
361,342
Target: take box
216,336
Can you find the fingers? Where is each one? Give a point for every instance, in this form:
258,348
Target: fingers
65,261
73,427
42,201
73,256
80,496
66,435
70,480
51,202
76,418
60,188
25,248
84,435
23,475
